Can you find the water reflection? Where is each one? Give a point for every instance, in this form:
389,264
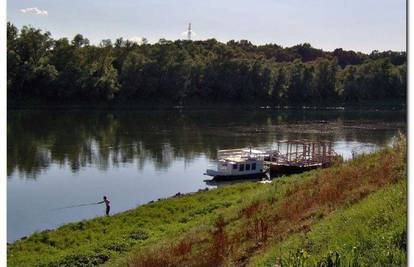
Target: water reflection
70,157
38,139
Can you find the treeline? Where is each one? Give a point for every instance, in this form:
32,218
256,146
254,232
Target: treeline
184,72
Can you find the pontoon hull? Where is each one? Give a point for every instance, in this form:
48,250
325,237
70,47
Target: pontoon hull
239,177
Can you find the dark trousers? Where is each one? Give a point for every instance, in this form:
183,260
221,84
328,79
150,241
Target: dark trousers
107,209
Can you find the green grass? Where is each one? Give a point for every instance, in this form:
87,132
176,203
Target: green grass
369,233
353,210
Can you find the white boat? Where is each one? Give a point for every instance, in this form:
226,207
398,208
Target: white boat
238,163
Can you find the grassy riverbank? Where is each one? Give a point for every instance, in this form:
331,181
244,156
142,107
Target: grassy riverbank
352,212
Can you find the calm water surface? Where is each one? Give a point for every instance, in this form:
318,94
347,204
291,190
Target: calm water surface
62,158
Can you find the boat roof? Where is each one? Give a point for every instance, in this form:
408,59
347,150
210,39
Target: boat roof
253,151
238,150
233,160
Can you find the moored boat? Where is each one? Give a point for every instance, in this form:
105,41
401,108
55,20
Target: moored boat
238,164
290,156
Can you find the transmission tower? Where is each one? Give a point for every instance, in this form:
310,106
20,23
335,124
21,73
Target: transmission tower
189,31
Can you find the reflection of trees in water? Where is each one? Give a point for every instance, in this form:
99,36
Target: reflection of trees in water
111,139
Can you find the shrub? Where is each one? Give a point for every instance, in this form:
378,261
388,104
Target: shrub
139,235
81,260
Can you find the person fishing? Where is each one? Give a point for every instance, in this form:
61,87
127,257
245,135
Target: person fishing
106,201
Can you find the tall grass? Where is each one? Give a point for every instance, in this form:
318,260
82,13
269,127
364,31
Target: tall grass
369,233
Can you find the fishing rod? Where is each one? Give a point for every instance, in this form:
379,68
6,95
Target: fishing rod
80,205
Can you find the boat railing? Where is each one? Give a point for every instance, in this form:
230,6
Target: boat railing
302,153
294,153
244,153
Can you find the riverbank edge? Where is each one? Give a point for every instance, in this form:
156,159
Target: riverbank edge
363,105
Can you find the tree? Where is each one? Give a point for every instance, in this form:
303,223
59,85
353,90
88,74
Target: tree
299,85
345,58
99,77
306,52
13,60
324,79
134,77
280,86
119,43
32,44
12,33
79,41
106,43
348,87
401,91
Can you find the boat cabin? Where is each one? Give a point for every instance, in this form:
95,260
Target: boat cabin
236,162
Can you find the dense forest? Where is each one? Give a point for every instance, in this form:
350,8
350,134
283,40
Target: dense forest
185,72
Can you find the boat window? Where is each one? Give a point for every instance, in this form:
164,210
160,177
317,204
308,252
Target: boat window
247,167
241,167
253,166
234,166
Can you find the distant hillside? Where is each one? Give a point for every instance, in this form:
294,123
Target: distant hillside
43,70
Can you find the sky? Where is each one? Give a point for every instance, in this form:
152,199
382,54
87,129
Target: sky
360,25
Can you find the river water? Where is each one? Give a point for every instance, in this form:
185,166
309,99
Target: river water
63,158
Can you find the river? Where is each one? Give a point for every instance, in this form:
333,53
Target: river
59,158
